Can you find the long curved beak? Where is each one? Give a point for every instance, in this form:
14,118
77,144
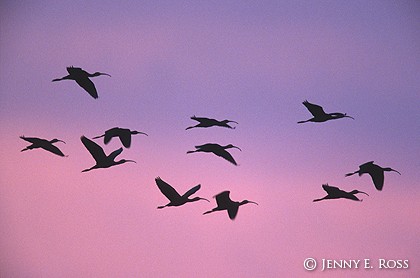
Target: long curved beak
237,148
138,132
102,73
363,192
229,121
253,202
204,199
395,171
130,161
348,117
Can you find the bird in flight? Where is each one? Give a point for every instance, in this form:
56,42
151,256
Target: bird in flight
336,193
217,150
174,197
44,144
319,114
207,122
225,203
102,160
123,133
376,173
82,78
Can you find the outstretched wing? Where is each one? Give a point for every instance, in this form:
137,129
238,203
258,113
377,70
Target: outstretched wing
51,148
95,150
125,137
114,154
331,190
75,71
377,175
200,119
110,133
233,211
167,190
32,140
315,110
191,191
226,155
205,147
88,85
223,199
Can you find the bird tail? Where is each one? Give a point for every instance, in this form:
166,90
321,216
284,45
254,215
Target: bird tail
317,200
191,151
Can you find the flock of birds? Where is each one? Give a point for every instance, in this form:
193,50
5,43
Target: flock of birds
223,200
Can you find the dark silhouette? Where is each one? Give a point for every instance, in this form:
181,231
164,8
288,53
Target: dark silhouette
376,173
217,150
102,160
82,78
123,133
319,114
337,193
225,203
207,122
174,197
44,144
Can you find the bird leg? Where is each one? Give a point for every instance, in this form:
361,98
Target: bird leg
301,122
210,211
63,78
191,127
98,136
350,174
317,200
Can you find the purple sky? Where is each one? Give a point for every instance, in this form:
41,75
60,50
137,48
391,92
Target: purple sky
249,61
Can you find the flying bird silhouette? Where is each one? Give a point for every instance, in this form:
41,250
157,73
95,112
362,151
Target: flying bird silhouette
336,193
217,150
319,114
102,160
123,133
225,203
82,78
207,122
43,144
174,197
376,173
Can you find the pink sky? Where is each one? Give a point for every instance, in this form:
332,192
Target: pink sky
246,61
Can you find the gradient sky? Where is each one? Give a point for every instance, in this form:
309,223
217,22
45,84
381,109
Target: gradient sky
250,61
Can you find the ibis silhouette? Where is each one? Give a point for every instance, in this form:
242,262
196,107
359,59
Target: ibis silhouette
376,173
82,78
217,150
336,193
123,133
43,144
102,160
207,122
225,203
174,197
319,114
